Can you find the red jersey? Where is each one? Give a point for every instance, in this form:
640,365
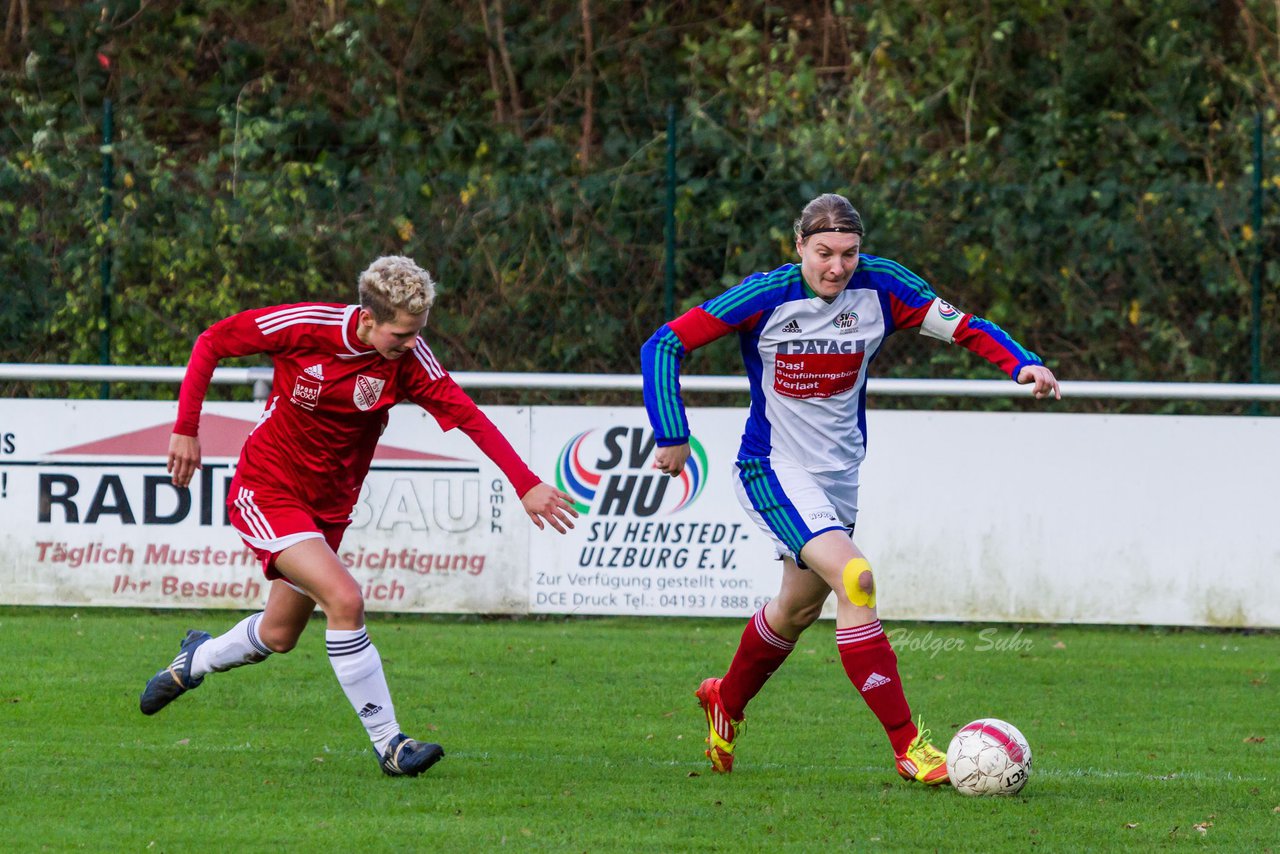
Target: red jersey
330,399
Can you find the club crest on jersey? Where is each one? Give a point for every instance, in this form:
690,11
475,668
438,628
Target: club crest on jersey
846,322
306,392
367,392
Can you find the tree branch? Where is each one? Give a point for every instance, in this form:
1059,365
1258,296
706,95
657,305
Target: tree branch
499,105
500,36
589,89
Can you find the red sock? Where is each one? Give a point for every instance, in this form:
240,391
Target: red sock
760,652
873,669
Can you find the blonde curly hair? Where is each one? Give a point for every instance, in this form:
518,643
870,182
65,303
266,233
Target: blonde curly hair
394,283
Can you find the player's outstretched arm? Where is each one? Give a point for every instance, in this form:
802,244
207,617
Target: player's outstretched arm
237,335
671,459
544,501
184,458
1045,382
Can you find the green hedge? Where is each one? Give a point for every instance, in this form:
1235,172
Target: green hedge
1081,173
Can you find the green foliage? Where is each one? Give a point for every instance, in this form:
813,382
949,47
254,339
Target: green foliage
1079,173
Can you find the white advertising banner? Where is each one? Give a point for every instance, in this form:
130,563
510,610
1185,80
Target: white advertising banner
1047,517
1035,517
88,514
646,543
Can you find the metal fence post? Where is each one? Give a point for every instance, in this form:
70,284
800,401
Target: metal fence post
669,279
1255,325
104,268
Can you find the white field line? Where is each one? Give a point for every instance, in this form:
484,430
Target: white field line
701,765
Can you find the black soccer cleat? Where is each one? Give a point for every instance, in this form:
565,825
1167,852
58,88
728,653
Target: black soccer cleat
175,680
408,758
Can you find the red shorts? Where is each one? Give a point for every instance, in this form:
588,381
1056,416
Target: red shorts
269,522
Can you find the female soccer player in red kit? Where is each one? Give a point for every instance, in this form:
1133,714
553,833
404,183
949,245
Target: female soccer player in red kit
338,371
808,334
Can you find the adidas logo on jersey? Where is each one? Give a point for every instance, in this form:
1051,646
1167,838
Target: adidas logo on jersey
793,326
875,680
316,371
369,710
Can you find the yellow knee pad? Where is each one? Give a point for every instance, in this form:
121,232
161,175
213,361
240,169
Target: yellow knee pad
852,572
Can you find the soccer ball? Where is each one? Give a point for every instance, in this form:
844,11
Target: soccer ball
988,757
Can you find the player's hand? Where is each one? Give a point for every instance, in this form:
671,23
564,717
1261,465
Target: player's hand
1045,382
544,501
671,459
184,458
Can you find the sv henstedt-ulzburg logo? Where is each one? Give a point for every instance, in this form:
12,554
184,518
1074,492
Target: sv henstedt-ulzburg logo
610,472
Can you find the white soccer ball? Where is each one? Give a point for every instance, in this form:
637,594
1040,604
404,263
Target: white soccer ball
988,757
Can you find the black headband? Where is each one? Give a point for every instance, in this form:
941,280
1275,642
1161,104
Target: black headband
839,229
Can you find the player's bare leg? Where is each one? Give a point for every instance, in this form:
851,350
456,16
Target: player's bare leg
285,618
867,656
799,601
313,567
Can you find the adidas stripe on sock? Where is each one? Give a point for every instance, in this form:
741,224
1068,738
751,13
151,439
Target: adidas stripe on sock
872,667
358,667
235,648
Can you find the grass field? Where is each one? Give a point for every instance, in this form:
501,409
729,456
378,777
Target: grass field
583,735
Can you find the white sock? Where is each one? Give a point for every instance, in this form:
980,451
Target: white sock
233,649
358,667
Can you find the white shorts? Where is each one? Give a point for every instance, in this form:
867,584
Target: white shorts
793,505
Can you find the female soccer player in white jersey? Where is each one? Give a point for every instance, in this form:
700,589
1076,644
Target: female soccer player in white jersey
807,335
338,371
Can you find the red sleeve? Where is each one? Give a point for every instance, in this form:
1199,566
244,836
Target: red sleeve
697,327
994,344
237,335
906,316
489,439
435,391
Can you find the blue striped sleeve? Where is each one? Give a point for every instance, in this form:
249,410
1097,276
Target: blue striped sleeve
660,359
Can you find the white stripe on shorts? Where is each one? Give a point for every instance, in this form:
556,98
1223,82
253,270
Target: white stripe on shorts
253,517
261,534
